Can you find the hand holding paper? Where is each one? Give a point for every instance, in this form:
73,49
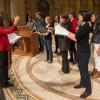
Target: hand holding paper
13,38
61,31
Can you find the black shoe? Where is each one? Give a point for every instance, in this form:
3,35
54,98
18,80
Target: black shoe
6,85
8,78
10,85
71,60
67,72
79,86
50,61
42,51
74,62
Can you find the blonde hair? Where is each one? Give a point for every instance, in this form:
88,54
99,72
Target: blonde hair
49,19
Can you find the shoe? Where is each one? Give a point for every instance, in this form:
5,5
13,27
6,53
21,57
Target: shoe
10,85
6,85
50,61
67,72
79,86
85,94
74,62
61,73
46,60
94,72
8,78
41,51
96,75
71,60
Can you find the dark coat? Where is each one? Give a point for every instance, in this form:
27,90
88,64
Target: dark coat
63,42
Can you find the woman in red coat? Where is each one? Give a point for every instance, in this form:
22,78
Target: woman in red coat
73,55
4,48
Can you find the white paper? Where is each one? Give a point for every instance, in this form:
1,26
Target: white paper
60,30
13,38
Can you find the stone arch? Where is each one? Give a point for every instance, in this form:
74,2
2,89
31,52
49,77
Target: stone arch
51,6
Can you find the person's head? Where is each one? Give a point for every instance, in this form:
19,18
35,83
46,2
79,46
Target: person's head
63,18
30,18
71,15
84,15
48,20
38,15
57,18
2,21
94,17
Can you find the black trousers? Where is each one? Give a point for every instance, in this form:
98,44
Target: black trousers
83,60
73,53
65,62
56,42
3,67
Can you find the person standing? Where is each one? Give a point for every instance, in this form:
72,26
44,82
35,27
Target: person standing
64,45
40,23
31,23
4,48
56,36
73,54
48,40
95,19
83,51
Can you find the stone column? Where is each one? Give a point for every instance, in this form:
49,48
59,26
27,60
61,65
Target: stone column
77,6
8,5
65,6
90,5
18,8
3,7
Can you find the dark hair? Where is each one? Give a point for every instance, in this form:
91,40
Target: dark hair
85,13
39,13
64,16
97,22
72,13
58,19
30,17
1,21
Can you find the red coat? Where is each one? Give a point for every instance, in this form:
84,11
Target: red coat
73,27
4,42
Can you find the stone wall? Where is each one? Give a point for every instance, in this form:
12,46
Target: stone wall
56,7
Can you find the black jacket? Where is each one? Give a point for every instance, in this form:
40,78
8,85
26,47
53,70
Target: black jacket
63,42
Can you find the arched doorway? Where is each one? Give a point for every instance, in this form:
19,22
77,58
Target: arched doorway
44,8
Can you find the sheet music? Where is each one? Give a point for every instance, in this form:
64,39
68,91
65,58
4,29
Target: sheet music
60,30
42,29
13,38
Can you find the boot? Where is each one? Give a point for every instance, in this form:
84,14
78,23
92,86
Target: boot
97,74
71,57
75,58
94,72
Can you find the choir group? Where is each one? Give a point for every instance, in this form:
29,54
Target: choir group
76,43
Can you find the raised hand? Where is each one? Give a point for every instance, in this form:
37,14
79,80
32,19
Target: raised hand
17,18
